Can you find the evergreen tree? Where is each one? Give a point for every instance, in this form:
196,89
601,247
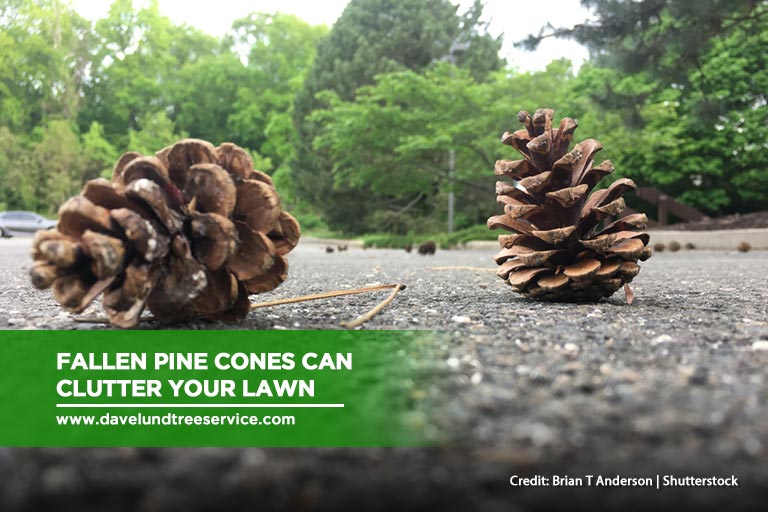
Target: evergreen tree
665,39
370,38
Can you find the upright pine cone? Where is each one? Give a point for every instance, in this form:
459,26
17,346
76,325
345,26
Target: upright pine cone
189,233
565,244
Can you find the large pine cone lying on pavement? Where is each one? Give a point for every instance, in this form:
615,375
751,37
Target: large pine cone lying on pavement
188,233
567,241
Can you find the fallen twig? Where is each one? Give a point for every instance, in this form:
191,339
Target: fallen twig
91,320
326,295
373,312
292,300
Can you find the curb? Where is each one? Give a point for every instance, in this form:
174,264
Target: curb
725,239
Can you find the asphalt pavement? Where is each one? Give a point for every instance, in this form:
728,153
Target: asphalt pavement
676,382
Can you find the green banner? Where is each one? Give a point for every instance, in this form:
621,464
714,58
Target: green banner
210,388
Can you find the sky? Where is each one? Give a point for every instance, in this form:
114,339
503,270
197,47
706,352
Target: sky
515,18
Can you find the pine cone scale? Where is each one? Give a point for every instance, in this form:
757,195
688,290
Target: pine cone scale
257,205
183,155
102,192
125,301
255,253
270,279
212,189
107,254
214,239
285,236
78,214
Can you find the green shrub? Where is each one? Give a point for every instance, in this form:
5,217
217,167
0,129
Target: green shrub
443,240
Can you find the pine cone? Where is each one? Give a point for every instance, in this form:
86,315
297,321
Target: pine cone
189,233
428,248
564,245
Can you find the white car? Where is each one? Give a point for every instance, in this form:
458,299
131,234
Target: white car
20,223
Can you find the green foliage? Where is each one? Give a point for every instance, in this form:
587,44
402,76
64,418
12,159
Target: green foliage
136,81
138,69
12,166
702,142
53,169
391,144
99,154
372,38
278,50
666,38
203,98
43,59
357,124
441,238
157,131
311,223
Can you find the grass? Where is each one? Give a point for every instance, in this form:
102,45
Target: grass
325,234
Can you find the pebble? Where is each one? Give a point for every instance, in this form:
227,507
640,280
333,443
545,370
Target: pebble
16,321
753,446
522,346
699,377
664,338
453,362
460,319
60,479
539,433
252,457
571,347
757,345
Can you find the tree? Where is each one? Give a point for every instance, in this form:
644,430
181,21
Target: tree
390,145
666,37
713,155
137,81
203,97
279,50
157,131
136,68
99,155
43,60
374,37
52,171
678,89
12,155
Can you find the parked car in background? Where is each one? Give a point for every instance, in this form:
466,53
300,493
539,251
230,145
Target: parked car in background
21,223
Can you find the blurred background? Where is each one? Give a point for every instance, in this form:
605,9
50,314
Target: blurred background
371,114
